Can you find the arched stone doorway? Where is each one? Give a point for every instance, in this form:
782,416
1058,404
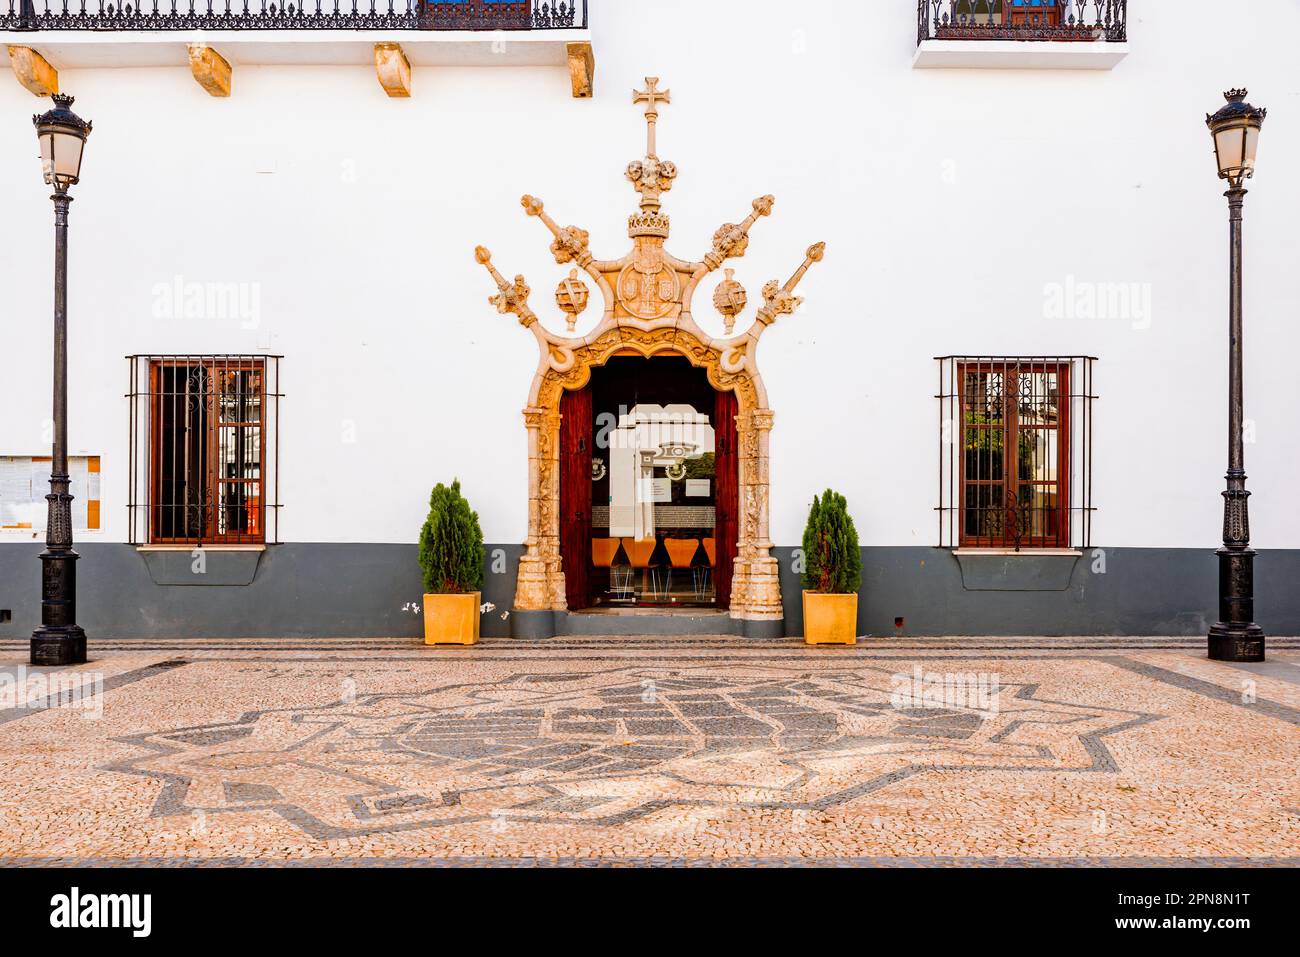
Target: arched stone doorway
647,298
754,586
649,472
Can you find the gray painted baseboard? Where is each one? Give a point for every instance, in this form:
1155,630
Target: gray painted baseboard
1111,591
343,590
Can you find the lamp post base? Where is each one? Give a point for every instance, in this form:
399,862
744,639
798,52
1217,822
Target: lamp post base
1235,636
59,646
59,640
1236,642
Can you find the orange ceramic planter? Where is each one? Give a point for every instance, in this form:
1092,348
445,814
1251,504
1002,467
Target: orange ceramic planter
830,619
451,619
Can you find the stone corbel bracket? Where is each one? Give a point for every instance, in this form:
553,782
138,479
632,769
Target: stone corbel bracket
393,69
210,69
582,69
33,71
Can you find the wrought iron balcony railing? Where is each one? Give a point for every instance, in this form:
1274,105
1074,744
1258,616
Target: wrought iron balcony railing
1084,20
292,15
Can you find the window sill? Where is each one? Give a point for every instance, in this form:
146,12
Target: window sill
219,565
1017,55
1024,552
206,548
1028,570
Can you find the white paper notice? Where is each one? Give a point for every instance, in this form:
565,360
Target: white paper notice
15,489
25,481
657,490
697,488
78,469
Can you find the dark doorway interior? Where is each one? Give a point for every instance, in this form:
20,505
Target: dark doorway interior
648,487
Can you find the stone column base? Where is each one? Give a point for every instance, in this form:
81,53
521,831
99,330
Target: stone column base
765,629
532,625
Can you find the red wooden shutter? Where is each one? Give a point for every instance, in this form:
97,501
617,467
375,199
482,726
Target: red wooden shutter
726,463
575,496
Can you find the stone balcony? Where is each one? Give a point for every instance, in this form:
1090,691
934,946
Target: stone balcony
393,34
1021,34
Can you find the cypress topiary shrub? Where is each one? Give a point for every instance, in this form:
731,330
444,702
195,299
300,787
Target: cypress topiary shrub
451,544
832,562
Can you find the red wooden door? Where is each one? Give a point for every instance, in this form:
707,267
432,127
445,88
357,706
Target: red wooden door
726,462
575,496
1035,15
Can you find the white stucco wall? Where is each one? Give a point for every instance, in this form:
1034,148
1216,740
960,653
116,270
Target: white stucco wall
947,198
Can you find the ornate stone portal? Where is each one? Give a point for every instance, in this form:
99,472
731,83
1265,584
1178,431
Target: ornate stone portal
647,296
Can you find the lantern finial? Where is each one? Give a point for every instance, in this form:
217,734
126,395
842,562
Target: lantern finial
1235,128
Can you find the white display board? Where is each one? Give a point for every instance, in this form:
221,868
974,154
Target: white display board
25,481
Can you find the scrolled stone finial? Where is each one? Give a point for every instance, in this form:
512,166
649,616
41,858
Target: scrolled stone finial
779,299
729,240
570,244
512,298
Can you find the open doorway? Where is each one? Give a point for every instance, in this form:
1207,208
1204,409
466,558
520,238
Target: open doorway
648,487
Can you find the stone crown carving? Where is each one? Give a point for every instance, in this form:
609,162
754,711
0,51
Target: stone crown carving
648,224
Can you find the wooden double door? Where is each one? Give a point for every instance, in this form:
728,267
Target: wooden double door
648,508
1034,13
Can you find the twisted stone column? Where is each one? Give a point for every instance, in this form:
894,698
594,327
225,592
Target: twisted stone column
756,590
540,583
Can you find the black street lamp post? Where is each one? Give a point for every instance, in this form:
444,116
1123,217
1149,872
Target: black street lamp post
1235,636
60,640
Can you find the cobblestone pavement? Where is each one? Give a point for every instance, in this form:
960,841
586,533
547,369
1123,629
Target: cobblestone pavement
688,752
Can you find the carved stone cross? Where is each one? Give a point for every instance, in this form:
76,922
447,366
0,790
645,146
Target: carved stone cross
651,96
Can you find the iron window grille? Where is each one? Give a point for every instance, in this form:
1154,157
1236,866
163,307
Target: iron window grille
1015,451
204,450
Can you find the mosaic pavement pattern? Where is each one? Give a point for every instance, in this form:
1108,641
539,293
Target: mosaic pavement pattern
684,752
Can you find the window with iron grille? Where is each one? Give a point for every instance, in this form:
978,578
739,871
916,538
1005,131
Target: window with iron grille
204,450
1015,452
